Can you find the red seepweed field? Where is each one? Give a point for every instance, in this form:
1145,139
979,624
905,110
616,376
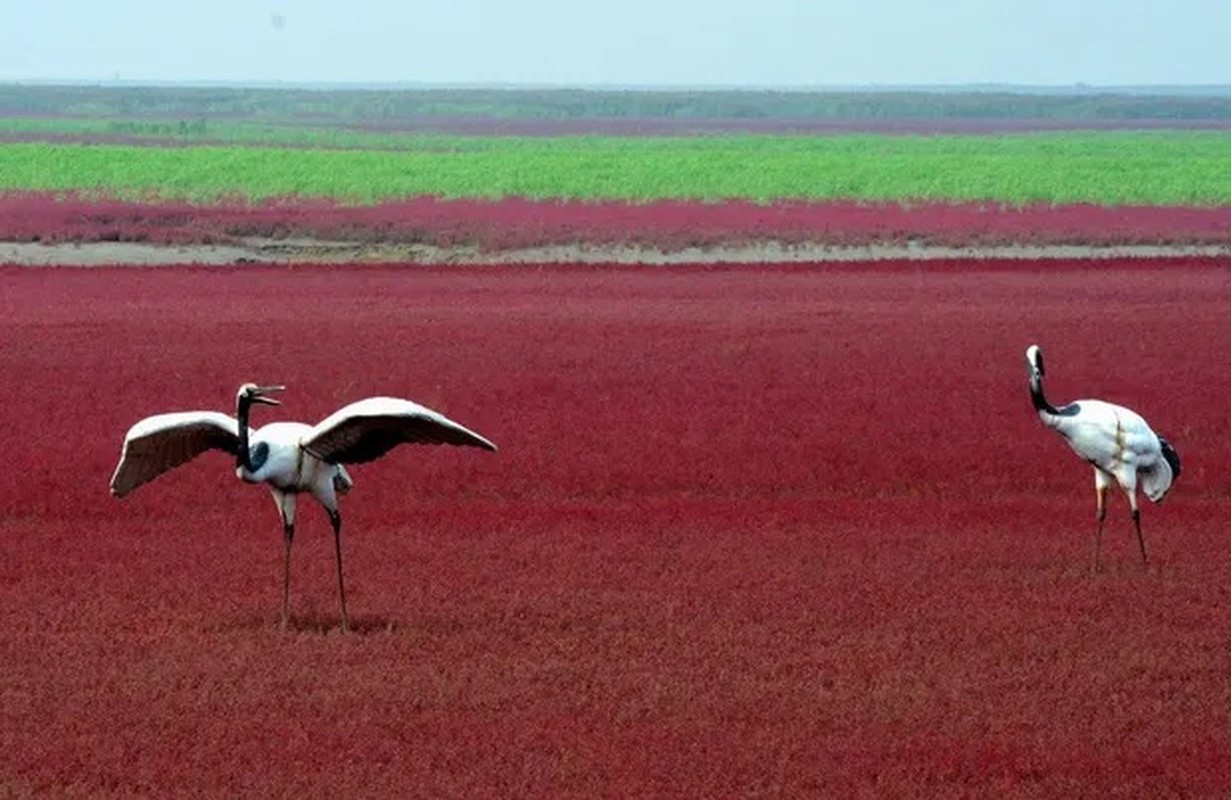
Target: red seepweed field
787,531
667,224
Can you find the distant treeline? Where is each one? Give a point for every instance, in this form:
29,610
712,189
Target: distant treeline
365,106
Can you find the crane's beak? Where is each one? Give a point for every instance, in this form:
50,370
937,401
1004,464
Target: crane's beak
262,391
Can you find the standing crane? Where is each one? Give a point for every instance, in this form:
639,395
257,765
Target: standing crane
290,458
1116,441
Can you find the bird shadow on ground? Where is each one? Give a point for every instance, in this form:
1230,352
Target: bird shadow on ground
359,626
312,623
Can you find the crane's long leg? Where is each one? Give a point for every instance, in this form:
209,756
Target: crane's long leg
336,519
1098,536
1100,494
288,533
1141,542
286,507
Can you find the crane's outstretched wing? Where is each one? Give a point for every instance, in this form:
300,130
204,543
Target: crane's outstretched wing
162,442
367,429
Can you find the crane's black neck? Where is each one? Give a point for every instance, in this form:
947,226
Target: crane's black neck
1036,397
1043,407
244,457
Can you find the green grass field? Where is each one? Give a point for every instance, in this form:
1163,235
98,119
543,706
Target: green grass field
1174,168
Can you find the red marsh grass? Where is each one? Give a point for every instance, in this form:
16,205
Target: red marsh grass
786,530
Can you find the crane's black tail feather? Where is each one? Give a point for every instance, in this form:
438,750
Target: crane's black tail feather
1171,456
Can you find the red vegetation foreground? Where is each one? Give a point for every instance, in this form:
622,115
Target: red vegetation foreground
778,531
670,225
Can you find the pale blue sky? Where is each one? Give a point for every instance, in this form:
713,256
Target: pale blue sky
632,42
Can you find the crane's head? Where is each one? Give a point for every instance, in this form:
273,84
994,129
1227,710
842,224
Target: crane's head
1034,363
252,393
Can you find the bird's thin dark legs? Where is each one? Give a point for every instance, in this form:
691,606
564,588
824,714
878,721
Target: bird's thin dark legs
286,507
288,534
336,519
1101,493
1141,542
1132,504
1098,536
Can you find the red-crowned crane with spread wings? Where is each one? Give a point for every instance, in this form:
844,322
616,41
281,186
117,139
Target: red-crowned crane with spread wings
291,458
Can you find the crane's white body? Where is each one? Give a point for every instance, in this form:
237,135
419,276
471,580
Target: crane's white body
290,469
1116,441
291,458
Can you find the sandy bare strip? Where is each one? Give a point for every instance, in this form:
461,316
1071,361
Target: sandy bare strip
97,254
90,254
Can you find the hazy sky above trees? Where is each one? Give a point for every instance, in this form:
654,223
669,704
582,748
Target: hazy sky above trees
752,43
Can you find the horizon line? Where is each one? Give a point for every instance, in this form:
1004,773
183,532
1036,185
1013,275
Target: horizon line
356,85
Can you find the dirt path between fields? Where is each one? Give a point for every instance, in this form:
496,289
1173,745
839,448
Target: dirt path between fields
293,251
